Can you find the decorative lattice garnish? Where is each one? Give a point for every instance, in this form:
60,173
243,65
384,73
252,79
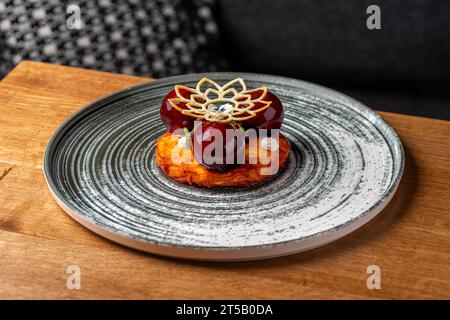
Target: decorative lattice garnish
232,102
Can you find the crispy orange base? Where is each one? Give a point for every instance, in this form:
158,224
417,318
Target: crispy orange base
194,173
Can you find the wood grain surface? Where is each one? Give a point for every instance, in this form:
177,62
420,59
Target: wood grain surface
409,240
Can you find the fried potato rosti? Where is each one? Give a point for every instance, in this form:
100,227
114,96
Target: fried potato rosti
191,172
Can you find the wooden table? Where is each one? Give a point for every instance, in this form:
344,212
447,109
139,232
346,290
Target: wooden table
409,240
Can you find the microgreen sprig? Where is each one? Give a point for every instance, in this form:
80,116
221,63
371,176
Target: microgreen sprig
237,124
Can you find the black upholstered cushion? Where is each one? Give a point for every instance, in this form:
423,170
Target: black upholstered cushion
329,39
403,67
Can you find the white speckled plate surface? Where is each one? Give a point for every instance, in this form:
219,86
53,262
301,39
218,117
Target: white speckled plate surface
344,167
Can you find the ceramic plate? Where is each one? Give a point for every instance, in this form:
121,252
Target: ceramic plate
345,165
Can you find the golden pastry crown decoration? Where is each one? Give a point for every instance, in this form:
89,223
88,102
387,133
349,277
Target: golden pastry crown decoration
228,103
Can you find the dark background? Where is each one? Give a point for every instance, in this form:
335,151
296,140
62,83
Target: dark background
403,67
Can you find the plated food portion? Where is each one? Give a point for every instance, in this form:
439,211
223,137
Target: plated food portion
221,135
345,163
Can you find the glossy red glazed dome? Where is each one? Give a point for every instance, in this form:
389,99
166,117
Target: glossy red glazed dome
172,118
232,107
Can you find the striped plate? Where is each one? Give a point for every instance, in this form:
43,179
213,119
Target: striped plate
345,165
